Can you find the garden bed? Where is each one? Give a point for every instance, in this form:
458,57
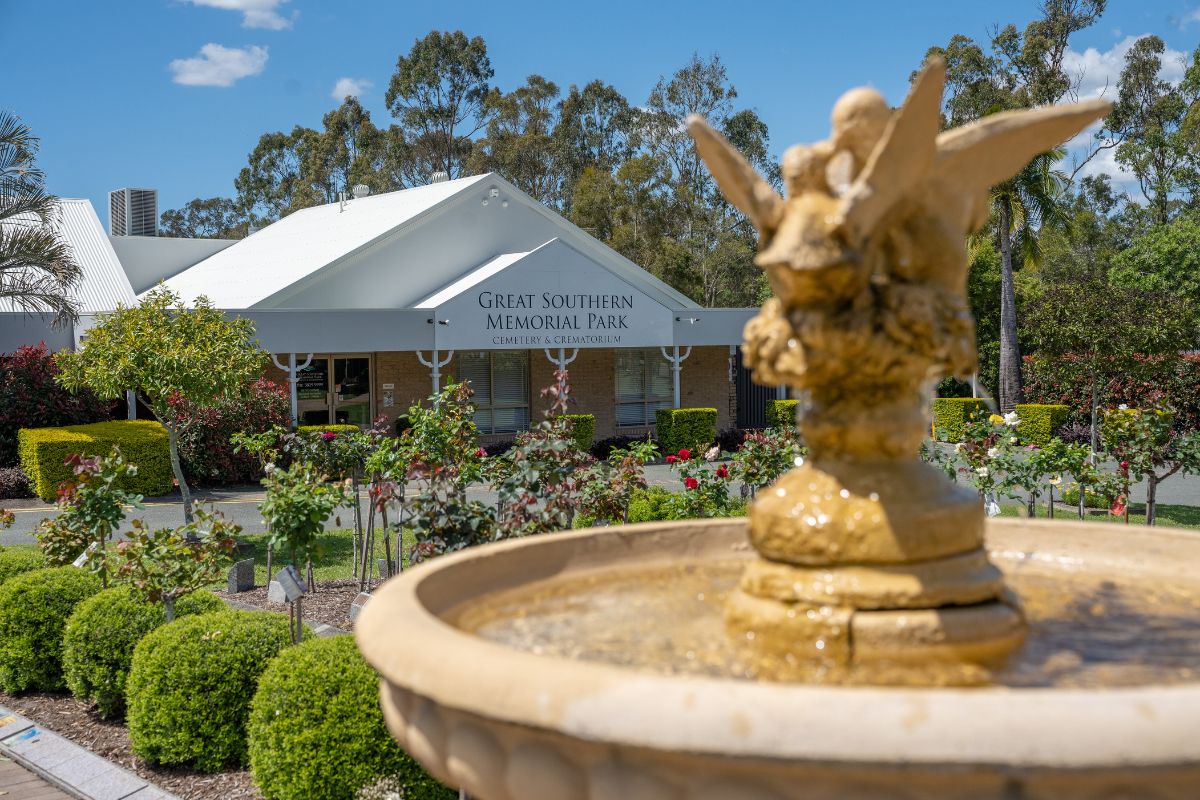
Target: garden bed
77,721
330,604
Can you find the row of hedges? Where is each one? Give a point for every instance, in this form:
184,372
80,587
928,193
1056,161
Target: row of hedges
781,414
1038,422
144,443
214,689
690,428
583,430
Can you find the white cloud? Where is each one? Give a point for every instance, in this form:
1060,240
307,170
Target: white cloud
1098,72
1191,16
349,87
255,13
217,65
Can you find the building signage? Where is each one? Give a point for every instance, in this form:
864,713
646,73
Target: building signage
554,297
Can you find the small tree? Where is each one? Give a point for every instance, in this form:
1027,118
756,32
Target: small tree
165,564
608,485
540,480
298,501
90,508
765,455
1149,448
161,349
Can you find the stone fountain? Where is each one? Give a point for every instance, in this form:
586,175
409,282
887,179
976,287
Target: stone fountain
859,635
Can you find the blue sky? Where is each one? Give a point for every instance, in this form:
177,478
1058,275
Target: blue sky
173,94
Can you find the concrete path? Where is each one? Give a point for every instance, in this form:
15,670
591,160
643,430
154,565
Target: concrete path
77,772
240,504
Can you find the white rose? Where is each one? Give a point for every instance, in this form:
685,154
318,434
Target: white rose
712,453
958,448
1011,419
1056,480
1123,407
993,452
1013,440
982,472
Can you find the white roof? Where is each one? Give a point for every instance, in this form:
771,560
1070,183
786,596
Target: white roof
302,243
104,285
485,271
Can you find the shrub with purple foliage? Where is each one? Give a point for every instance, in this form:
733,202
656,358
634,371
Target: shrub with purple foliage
31,398
13,483
205,448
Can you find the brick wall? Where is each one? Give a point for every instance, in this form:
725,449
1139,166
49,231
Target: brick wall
704,383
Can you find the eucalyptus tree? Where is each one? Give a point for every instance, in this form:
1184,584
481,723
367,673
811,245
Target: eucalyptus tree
1157,125
438,94
204,218
38,271
518,142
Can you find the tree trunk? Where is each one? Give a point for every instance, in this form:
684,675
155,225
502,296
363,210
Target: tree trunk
177,468
1095,416
169,605
1010,349
1151,499
1050,504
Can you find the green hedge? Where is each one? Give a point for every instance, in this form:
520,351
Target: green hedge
583,430
191,682
951,414
316,731
1092,499
34,608
143,442
101,635
337,428
781,414
1040,421
19,560
691,428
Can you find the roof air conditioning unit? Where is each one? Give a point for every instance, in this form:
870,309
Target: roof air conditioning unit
439,177
360,190
133,212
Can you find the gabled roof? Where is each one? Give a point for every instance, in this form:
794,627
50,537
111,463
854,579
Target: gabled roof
292,262
104,285
293,248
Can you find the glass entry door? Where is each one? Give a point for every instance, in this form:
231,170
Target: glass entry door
335,389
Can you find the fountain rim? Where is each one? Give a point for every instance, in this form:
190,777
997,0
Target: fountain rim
1046,728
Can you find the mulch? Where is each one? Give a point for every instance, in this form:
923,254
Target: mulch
330,604
77,721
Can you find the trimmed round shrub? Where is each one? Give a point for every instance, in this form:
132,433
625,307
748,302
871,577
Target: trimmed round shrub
190,685
316,731
34,608
19,560
100,637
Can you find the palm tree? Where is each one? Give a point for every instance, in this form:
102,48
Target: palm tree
1020,207
38,272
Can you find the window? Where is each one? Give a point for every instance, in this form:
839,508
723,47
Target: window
643,386
500,379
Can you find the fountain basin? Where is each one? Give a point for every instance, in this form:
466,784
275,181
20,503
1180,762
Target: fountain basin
508,724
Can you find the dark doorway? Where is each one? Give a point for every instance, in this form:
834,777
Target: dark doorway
751,398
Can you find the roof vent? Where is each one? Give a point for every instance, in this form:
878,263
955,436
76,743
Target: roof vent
360,190
439,177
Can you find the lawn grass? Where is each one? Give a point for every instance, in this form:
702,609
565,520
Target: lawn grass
334,562
1169,516
335,559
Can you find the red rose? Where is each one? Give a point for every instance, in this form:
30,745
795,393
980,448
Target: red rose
1124,465
722,472
329,436
480,453
671,459
691,483
685,454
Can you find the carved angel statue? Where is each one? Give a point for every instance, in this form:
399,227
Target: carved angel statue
867,255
